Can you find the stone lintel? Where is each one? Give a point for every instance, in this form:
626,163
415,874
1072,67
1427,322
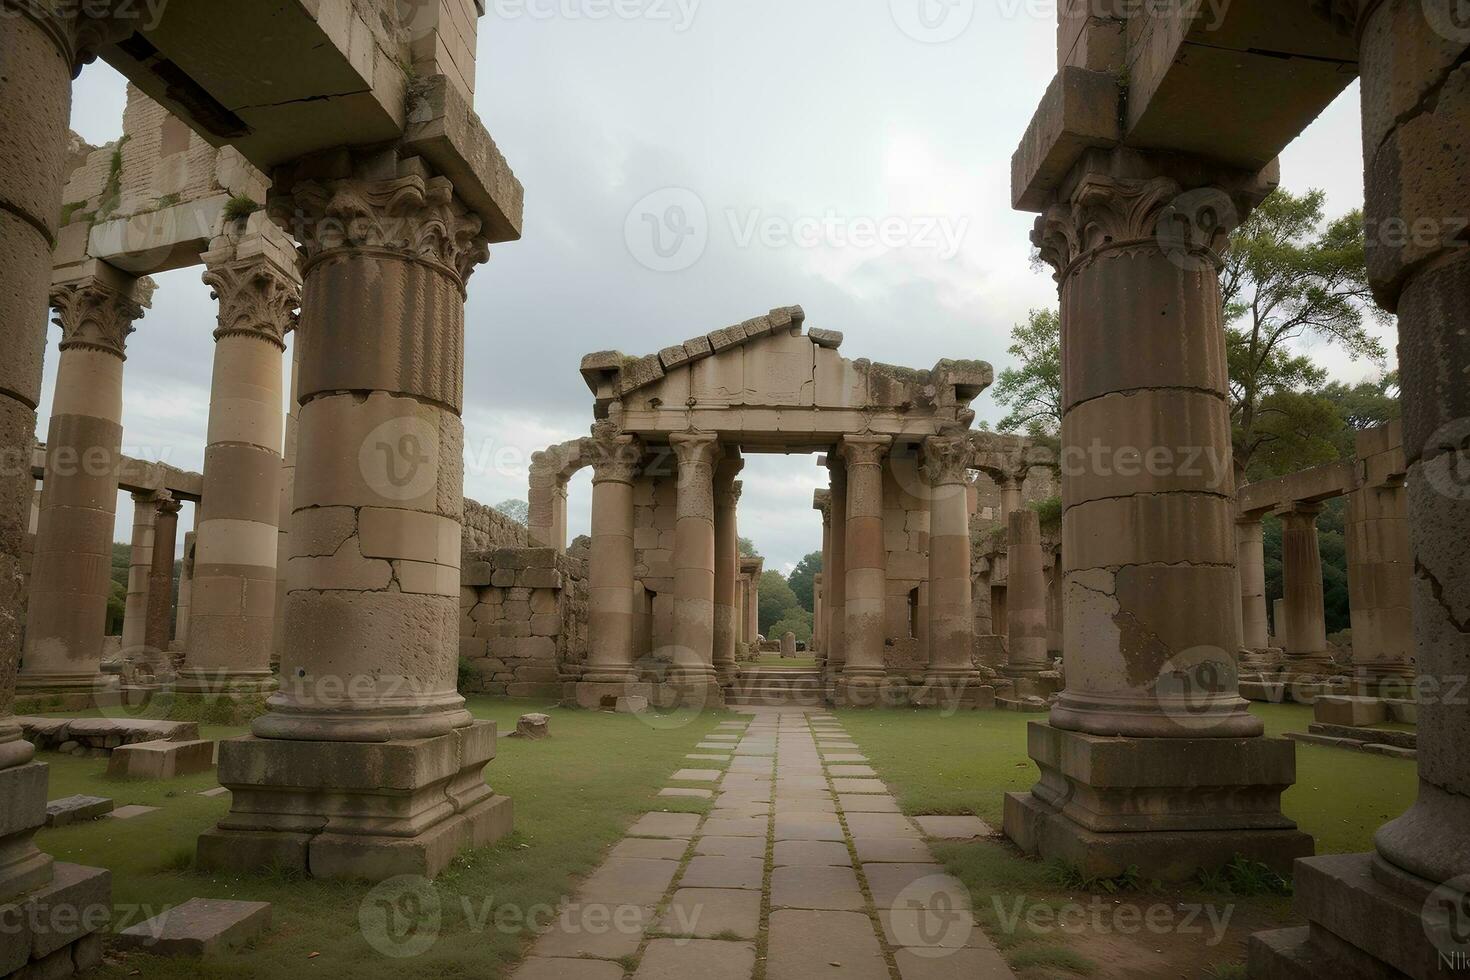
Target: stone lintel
1080,109
443,128
140,476
1305,487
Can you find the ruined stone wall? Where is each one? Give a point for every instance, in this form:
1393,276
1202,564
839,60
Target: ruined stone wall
523,620
906,546
486,529
655,512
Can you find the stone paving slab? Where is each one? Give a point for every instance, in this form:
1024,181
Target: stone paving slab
931,929
544,968
846,757
961,964
618,932
850,770
816,888
811,854
881,825
918,885
808,825
741,847
687,792
867,803
953,828
806,945
709,912
744,827
647,847
664,825
705,871
629,881
130,811
859,786
697,775
881,850
707,959
708,757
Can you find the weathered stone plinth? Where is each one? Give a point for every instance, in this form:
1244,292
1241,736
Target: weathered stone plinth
603,694
957,693
1170,806
356,809
55,931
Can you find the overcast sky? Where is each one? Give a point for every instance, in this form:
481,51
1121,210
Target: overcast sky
766,138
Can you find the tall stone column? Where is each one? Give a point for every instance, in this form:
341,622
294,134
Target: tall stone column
951,678
727,564
1010,496
693,674
1306,613
40,52
160,585
817,613
186,590
1151,757
612,614
288,489
1380,588
822,613
71,577
1251,560
837,572
135,607
368,765
253,277
1404,909
865,562
1026,597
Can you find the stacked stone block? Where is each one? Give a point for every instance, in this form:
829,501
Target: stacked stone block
523,620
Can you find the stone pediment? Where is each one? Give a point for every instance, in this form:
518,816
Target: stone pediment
765,380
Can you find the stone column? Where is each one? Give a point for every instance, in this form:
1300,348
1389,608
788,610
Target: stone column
693,675
817,612
288,489
1026,602
71,577
837,571
186,590
160,586
546,513
253,277
1251,560
822,614
135,608
1151,757
727,564
1306,614
612,613
865,564
367,711
40,53
951,678
1010,496
1380,588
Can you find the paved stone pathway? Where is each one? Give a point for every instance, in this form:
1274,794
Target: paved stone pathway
804,870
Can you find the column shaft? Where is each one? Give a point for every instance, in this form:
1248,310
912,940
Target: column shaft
1251,560
694,560
1380,583
1306,614
836,571
160,587
1026,595
135,609
283,511
951,672
611,612
727,562
865,564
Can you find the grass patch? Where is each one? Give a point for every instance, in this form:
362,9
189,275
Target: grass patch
575,795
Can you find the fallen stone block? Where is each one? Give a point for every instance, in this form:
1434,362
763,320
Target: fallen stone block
161,760
533,726
1336,709
631,705
199,927
76,809
1392,751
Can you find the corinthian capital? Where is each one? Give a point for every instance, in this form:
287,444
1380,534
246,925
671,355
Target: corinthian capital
615,456
98,312
256,299
946,459
865,450
413,215
80,30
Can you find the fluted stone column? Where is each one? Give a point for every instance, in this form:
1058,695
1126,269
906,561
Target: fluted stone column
837,572
865,562
135,607
368,763
1306,613
71,577
693,673
160,585
1151,757
1251,560
727,564
1026,596
287,494
612,614
951,678
1380,568
253,277
40,52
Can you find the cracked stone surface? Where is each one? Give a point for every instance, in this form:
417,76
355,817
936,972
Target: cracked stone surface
823,864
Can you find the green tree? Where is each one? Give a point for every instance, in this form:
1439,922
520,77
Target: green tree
1290,275
803,580
516,509
776,600
796,621
1364,405
1033,391
747,549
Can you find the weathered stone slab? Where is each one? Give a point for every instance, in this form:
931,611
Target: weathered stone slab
533,726
953,828
199,927
76,809
161,760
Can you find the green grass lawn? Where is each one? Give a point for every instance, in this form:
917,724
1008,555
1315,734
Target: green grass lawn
966,763
575,795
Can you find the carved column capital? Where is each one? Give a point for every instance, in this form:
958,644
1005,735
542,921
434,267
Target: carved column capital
695,448
166,503
946,460
80,30
411,216
615,455
822,501
98,315
256,299
730,496
865,450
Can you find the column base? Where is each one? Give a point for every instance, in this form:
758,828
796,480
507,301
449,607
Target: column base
868,692
23,867
227,683
63,683
355,810
1357,900
1032,682
689,693
54,931
597,695
955,692
1168,806
1311,665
